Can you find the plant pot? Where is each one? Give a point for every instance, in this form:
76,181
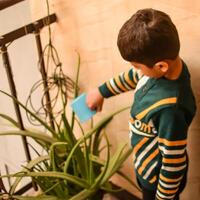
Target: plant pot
121,195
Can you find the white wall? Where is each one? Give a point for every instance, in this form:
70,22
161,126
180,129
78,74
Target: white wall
23,58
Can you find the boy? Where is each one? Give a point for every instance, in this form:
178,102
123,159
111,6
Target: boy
164,104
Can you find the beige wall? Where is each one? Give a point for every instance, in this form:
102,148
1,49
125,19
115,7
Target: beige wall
23,60
91,28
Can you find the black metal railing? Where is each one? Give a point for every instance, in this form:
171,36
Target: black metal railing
32,28
6,3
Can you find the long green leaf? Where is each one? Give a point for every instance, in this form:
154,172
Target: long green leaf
30,165
120,173
78,181
52,153
51,188
115,162
84,163
83,195
37,136
79,156
101,162
11,120
32,114
121,160
98,180
97,140
102,123
35,197
68,133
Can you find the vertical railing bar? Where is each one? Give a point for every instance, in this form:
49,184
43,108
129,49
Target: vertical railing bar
44,77
6,63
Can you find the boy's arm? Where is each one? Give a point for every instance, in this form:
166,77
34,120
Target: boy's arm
122,83
172,145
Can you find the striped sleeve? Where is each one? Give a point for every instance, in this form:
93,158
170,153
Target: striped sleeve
122,83
172,142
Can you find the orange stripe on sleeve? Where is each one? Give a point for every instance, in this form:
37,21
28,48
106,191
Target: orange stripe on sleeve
110,88
167,191
126,77
169,180
119,84
172,143
174,160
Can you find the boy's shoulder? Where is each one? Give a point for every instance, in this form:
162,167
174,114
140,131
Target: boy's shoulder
158,94
179,88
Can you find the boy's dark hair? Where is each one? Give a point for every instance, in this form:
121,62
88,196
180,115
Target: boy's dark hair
148,37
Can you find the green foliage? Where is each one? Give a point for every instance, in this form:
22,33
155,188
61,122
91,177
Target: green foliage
72,168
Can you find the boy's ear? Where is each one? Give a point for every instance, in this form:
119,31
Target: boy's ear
162,66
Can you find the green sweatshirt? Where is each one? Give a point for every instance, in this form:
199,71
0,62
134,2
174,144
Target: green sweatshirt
160,116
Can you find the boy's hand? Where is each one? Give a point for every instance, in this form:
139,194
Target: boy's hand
94,100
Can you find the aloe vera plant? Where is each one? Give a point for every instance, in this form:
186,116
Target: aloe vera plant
72,167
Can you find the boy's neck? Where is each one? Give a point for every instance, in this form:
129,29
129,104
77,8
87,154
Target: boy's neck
175,69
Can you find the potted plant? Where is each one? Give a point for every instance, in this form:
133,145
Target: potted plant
72,167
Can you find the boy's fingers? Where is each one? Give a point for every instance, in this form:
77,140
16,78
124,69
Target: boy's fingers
98,109
92,106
